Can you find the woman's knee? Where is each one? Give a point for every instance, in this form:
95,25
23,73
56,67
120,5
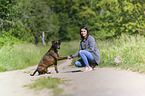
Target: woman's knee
78,64
81,52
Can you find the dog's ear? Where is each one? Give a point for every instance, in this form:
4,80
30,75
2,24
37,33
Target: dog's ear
53,42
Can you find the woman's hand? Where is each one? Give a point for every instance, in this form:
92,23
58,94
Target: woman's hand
68,57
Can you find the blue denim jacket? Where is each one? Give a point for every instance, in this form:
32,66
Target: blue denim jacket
90,45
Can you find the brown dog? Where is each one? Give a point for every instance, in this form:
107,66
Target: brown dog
50,58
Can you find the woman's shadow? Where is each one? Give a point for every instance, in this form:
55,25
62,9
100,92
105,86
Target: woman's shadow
74,71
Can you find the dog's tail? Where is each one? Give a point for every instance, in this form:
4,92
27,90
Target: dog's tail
34,73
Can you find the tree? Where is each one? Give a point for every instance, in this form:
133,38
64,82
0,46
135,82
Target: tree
114,17
39,18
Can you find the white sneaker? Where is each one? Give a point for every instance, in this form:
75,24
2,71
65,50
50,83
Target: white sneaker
87,69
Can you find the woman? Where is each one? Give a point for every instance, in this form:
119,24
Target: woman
89,53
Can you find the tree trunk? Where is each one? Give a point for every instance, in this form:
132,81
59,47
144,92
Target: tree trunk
36,39
42,37
91,3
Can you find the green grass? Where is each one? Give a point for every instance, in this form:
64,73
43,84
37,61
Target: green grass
127,52
45,82
20,56
69,48
49,83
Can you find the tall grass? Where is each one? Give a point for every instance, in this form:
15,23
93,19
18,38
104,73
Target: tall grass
127,52
69,48
20,55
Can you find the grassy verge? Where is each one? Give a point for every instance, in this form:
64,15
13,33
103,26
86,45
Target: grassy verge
49,83
20,56
126,52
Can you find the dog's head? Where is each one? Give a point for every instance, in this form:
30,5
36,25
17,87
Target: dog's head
56,44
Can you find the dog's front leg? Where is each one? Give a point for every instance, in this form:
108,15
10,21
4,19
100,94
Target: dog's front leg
55,66
61,58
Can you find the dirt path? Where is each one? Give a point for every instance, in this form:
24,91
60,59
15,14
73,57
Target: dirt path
99,82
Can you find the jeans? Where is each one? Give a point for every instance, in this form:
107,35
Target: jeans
86,59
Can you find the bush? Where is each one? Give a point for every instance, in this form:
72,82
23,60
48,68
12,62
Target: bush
6,39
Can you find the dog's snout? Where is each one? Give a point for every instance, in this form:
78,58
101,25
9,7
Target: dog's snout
58,46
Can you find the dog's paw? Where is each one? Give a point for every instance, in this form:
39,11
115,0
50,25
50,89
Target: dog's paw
48,72
31,75
57,72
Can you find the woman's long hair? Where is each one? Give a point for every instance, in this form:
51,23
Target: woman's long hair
84,27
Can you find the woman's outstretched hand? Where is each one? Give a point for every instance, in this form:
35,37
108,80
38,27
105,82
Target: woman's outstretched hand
68,57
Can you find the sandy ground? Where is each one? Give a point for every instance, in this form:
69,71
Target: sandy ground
99,82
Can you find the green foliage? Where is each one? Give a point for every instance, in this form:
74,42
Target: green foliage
45,82
126,52
39,18
27,19
105,18
20,56
68,48
117,17
6,39
48,82
5,8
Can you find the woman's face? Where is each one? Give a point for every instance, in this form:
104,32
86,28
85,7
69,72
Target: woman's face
84,33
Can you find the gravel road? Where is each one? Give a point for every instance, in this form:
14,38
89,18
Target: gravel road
99,82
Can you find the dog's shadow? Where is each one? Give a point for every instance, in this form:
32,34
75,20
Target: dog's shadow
74,71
